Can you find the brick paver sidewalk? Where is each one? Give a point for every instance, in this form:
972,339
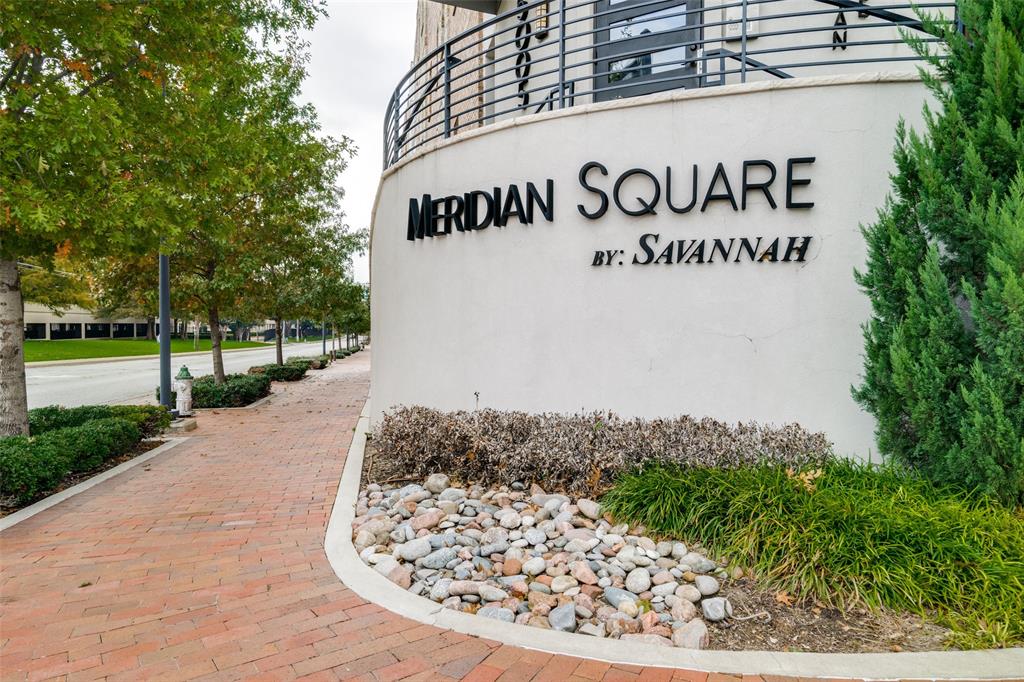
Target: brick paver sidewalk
207,562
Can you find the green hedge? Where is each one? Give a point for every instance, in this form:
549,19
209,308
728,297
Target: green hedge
285,372
304,363
32,465
315,362
849,535
238,390
150,419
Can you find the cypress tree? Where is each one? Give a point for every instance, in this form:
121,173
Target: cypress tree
944,348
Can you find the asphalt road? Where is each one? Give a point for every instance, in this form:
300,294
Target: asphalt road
134,380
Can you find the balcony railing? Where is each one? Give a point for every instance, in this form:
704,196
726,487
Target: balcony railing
551,54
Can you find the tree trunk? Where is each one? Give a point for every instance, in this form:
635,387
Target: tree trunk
13,396
277,340
218,358
150,329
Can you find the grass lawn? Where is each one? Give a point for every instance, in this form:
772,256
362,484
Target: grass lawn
76,349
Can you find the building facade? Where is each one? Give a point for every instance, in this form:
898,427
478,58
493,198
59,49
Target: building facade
651,207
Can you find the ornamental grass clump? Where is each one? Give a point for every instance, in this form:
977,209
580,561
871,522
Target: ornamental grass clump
848,535
578,453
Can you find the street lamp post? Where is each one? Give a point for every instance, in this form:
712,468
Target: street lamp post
165,314
165,332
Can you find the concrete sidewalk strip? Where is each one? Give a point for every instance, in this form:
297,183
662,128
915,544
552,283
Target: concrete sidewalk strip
209,563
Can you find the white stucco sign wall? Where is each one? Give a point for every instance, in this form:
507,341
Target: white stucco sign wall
744,312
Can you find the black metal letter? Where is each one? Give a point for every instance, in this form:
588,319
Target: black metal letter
801,250
546,205
792,182
763,186
419,217
587,167
647,249
668,191
648,206
709,197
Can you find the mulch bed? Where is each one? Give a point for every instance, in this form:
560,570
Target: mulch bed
811,627
783,624
7,507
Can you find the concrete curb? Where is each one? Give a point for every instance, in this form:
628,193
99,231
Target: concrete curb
125,358
1003,664
47,502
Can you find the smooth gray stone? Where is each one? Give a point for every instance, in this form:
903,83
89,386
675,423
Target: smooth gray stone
716,608
614,595
438,559
563,618
706,585
497,613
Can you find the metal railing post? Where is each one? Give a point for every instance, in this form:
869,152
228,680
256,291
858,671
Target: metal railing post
743,45
447,90
561,54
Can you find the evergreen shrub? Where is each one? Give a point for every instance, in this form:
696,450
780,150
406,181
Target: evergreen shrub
275,372
944,348
304,363
32,465
848,535
238,390
150,419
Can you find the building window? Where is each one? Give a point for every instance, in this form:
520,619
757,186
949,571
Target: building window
97,330
35,330
65,330
646,47
124,331
140,330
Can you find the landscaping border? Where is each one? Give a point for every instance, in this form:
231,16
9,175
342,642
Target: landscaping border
47,502
999,664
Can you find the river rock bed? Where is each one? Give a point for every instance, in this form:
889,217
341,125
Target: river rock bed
539,559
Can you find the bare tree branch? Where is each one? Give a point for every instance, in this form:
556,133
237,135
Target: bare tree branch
10,71
109,76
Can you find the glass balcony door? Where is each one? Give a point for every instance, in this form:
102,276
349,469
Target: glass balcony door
644,47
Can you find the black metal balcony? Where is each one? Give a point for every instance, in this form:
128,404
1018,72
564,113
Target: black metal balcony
552,54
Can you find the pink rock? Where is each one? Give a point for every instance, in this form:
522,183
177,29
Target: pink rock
684,610
459,588
584,601
401,576
582,572
649,620
662,577
427,520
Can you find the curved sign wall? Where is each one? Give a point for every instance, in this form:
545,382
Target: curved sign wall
687,252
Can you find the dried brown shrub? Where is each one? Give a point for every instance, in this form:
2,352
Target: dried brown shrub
579,453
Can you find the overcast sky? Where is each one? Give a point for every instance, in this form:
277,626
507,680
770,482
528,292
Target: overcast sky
358,55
